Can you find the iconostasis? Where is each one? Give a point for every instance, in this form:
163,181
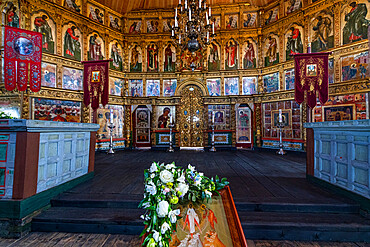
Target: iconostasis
245,74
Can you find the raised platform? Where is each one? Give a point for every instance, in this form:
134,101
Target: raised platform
273,197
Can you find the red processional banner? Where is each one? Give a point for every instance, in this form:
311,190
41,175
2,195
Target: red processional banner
96,83
22,59
311,76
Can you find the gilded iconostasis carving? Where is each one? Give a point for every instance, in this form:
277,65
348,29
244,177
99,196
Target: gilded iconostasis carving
246,71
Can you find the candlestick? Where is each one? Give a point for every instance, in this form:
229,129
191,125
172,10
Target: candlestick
179,2
209,12
207,36
111,116
213,28
186,4
200,3
213,118
280,116
170,118
175,13
189,14
173,32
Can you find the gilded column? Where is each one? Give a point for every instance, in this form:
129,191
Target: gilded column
128,125
258,121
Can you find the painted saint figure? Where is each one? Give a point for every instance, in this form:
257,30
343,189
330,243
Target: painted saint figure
294,44
169,59
135,64
249,56
192,220
115,55
322,31
164,118
12,17
72,46
356,23
94,48
42,26
231,55
152,58
272,50
214,58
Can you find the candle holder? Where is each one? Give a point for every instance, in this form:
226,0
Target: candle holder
170,149
281,126
213,149
111,127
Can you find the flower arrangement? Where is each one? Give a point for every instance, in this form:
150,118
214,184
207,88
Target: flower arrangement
166,186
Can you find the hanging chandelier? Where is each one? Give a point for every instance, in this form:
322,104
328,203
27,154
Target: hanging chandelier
193,29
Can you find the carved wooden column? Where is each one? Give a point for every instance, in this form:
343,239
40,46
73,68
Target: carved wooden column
233,121
128,125
258,121
59,38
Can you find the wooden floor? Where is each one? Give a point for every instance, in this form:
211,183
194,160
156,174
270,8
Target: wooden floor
107,240
254,176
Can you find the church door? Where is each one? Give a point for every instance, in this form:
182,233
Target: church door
191,117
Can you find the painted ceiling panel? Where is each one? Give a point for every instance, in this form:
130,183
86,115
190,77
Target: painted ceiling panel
124,6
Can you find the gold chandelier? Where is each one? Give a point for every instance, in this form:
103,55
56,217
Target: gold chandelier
193,27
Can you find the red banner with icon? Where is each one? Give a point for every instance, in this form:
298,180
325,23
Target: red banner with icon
22,59
311,76
96,83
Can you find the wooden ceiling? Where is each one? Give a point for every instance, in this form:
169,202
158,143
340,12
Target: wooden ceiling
124,6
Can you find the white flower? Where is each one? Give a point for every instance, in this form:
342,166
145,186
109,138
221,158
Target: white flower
142,216
197,180
166,176
153,167
165,226
172,215
146,205
156,235
151,188
201,174
183,188
191,168
181,179
152,175
162,209
208,193
169,166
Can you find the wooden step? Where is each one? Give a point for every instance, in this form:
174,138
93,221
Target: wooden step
305,226
89,220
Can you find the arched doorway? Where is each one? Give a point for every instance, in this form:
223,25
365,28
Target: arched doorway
191,116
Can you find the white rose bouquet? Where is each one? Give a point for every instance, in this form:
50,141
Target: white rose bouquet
165,186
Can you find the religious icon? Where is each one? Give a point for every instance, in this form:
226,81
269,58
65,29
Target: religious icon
192,220
72,42
250,19
271,82
286,115
95,48
231,55
243,125
56,110
42,24
219,117
96,14
23,46
249,85
136,59
214,87
356,23
272,54
339,112
136,88
271,16
214,57
164,118
311,70
48,72
293,5
323,35
152,88
152,26
167,25
12,18
355,66
289,79
95,76
72,78
231,86
115,86
191,61
135,27
73,5
294,43
114,22
231,21
170,58
249,58
116,56
152,57
169,87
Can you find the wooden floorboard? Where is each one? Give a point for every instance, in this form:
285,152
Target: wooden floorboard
254,176
108,240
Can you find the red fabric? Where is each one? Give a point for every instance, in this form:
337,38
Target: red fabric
316,82
22,54
69,30
295,33
96,92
